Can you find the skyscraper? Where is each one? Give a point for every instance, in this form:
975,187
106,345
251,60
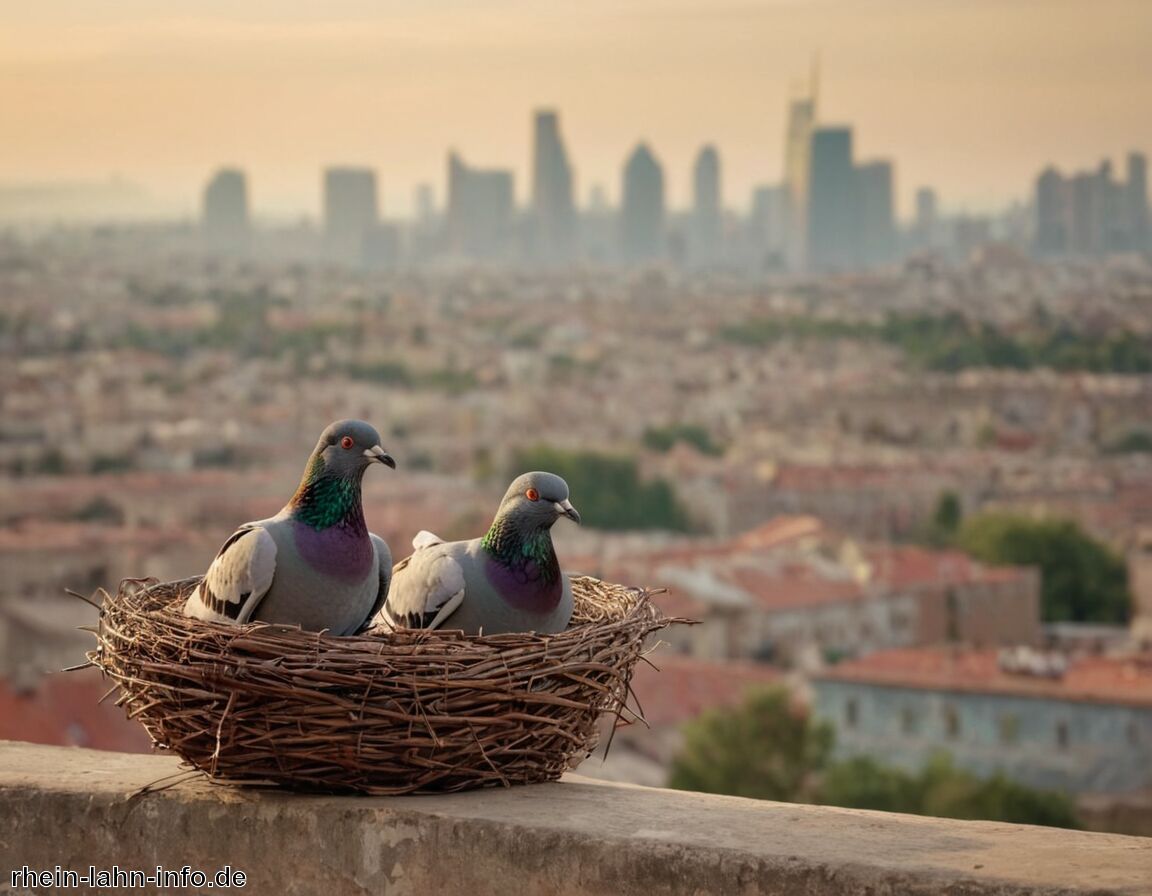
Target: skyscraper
707,215
225,220
553,208
1136,201
797,178
1052,211
481,204
642,207
927,214
350,213
833,201
877,220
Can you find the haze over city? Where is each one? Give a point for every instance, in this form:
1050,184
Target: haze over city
971,97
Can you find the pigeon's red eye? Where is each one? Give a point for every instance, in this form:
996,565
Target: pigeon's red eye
532,495
347,442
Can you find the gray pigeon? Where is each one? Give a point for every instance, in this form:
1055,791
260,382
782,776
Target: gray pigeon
507,581
314,564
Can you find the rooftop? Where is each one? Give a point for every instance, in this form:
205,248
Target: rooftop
1095,679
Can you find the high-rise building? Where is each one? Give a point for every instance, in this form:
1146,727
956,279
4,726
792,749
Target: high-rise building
876,226
1136,201
481,205
425,203
553,235
1052,214
926,224
1091,213
225,220
351,213
642,207
797,178
765,234
833,201
707,213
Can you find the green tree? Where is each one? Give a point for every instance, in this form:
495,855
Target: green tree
608,490
767,748
1081,579
942,790
945,522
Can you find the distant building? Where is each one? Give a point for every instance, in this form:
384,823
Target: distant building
1091,213
481,208
1052,214
707,211
767,224
554,227
225,220
642,208
926,224
877,216
1082,725
351,213
833,201
1136,202
797,175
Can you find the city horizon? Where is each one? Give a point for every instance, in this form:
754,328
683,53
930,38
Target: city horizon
971,99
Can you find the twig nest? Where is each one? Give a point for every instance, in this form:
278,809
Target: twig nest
381,713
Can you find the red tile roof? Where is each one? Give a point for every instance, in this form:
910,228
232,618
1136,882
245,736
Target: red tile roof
1126,681
680,688
64,710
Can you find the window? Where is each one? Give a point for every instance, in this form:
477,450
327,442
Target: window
909,720
1009,728
1062,736
951,722
850,713
1133,734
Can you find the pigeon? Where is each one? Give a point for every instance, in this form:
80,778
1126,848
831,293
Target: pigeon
507,581
314,564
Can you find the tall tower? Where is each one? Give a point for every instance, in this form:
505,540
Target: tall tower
797,157
707,216
876,226
833,201
225,220
350,213
481,205
1052,214
642,207
1136,200
553,207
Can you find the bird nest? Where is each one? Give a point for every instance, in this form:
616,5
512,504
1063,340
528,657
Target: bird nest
381,713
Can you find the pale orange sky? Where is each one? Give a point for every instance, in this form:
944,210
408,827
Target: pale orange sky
972,96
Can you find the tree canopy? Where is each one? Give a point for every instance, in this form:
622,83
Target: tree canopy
608,489
766,748
1082,579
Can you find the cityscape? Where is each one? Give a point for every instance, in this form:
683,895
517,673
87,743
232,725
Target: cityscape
889,450
829,213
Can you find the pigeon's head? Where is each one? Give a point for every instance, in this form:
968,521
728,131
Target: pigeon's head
347,447
538,499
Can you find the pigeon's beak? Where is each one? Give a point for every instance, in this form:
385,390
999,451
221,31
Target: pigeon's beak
379,454
565,508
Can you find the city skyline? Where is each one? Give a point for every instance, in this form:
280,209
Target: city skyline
971,98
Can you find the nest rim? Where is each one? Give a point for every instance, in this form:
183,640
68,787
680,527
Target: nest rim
377,712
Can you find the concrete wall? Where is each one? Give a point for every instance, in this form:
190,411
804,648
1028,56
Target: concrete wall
75,808
1107,749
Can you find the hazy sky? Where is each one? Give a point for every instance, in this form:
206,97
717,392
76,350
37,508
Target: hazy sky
972,96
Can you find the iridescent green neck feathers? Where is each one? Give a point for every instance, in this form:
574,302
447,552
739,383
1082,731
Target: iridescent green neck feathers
325,499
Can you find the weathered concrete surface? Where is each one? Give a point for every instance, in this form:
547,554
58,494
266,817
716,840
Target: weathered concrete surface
76,808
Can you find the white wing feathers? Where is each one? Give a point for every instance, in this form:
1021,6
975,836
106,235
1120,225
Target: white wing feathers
427,586
238,578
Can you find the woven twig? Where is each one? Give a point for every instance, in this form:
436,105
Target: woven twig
404,712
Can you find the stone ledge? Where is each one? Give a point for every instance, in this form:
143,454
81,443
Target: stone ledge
76,808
